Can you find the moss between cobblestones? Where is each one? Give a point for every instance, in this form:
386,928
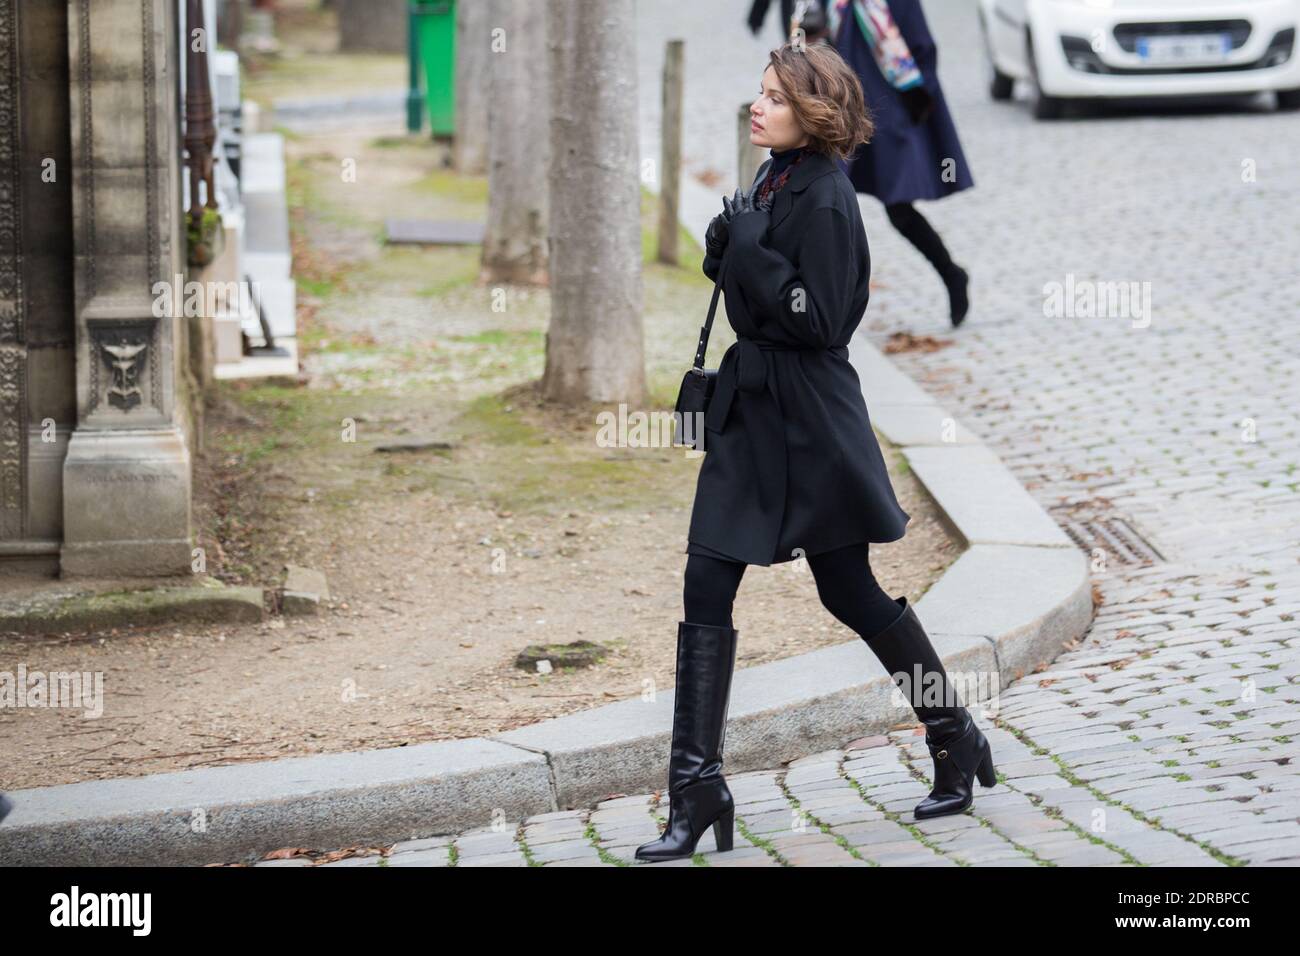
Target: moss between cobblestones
604,855
764,845
523,846
1225,858
1041,861
824,827
999,778
1055,814
897,818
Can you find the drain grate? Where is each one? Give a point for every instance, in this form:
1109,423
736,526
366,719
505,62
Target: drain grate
1115,536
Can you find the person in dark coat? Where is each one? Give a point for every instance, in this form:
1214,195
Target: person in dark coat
791,467
791,12
915,152
758,13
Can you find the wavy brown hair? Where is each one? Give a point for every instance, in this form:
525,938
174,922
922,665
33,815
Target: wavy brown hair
826,97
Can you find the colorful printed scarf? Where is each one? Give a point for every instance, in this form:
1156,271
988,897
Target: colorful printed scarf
888,47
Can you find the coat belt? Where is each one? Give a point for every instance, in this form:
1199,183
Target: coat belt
744,369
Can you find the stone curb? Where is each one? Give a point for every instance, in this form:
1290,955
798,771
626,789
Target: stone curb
1012,601
81,610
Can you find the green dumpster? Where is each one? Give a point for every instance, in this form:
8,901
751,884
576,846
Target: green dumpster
433,44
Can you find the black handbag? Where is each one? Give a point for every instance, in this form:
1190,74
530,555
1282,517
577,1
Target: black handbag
698,382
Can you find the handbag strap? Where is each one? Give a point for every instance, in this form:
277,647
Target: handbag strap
708,322
722,268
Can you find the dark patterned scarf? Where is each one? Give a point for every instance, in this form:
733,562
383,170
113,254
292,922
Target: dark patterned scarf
771,184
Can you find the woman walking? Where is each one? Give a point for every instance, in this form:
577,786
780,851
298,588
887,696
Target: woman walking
792,467
915,152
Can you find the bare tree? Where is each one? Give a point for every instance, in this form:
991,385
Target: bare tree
514,240
595,347
474,21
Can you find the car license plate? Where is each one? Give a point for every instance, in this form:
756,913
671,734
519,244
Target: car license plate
1189,48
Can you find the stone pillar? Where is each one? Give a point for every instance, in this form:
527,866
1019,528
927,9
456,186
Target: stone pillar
37,367
126,478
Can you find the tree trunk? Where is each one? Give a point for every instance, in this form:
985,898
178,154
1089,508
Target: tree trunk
514,240
595,348
475,21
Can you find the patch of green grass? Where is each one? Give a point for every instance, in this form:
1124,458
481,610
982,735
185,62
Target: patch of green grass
265,79
308,179
454,267
525,460
395,142
490,420
450,185
320,287
690,254
503,337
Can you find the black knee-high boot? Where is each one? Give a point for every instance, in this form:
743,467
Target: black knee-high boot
697,792
960,750
917,230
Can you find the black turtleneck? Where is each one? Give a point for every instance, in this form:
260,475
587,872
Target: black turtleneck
783,158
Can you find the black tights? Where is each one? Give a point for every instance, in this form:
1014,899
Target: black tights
916,228
845,584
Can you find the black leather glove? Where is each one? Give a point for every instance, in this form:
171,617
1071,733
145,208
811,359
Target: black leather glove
919,103
749,219
716,236
748,201
729,204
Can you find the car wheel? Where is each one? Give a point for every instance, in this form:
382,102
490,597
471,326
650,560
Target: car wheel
1001,86
1288,99
1044,106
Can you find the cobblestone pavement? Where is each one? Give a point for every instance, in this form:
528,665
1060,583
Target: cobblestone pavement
1166,736
1175,424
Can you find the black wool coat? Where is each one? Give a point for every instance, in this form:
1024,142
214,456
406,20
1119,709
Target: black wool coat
791,466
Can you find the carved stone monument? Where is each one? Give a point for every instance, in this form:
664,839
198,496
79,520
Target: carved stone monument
94,457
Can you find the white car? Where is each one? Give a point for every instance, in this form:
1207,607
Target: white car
1085,49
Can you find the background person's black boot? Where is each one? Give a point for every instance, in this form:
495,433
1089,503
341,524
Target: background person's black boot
908,220
698,796
5,806
957,281
959,748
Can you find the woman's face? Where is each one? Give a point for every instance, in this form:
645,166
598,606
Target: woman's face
772,120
